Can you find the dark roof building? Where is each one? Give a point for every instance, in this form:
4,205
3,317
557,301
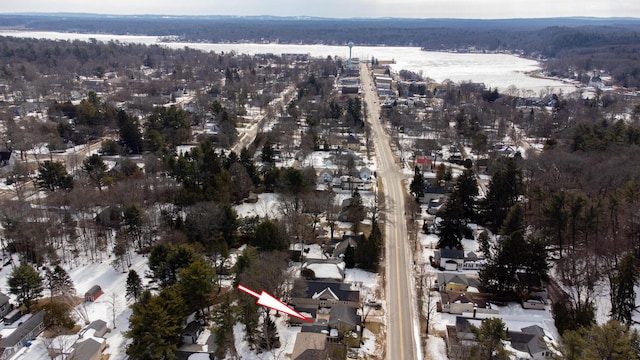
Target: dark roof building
342,316
191,332
29,330
340,290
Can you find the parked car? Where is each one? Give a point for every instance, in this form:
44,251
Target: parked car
374,304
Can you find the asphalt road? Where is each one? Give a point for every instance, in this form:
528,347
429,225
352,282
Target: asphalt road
402,341
245,138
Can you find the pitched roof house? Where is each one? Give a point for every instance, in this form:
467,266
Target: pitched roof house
448,281
347,240
531,340
328,269
449,259
29,330
460,302
343,317
88,349
307,343
327,294
96,328
7,160
325,176
352,142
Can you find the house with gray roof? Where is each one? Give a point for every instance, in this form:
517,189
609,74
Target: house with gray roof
531,340
347,241
29,330
453,281
88,349
309,344
319,300
344,318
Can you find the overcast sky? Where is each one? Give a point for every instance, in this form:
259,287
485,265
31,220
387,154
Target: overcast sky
340,8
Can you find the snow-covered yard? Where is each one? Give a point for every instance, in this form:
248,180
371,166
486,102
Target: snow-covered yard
513,315
112,283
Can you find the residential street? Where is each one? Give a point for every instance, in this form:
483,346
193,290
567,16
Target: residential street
247,136
402,341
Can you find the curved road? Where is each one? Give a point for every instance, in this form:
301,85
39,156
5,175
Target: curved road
403,343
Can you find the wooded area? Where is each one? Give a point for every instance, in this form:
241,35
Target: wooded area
572,204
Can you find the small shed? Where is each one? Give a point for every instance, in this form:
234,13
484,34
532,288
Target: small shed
93,293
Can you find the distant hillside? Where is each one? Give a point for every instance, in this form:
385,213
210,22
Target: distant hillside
429,33
576,45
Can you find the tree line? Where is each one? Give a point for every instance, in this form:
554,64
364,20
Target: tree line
571,44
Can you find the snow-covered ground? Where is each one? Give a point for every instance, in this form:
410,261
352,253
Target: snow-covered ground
86,274
267,206
514,315
113,284
287,341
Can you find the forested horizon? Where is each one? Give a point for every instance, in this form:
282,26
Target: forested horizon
568,46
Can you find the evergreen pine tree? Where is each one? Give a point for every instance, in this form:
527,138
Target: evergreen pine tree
156,326
451,227
458,211
25,282
612,340
59,282
269,338
356,211
95,167
52,176
514,221
349,257
130,134
196,284
504,189
134,286
224,321
623,295
369,249
466,190
417,185
489,337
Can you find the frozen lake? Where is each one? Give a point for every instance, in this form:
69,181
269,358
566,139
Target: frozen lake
494,70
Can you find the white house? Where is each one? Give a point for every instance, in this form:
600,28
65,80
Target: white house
449,259
325,176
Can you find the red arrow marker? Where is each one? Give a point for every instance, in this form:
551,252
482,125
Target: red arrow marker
265,299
